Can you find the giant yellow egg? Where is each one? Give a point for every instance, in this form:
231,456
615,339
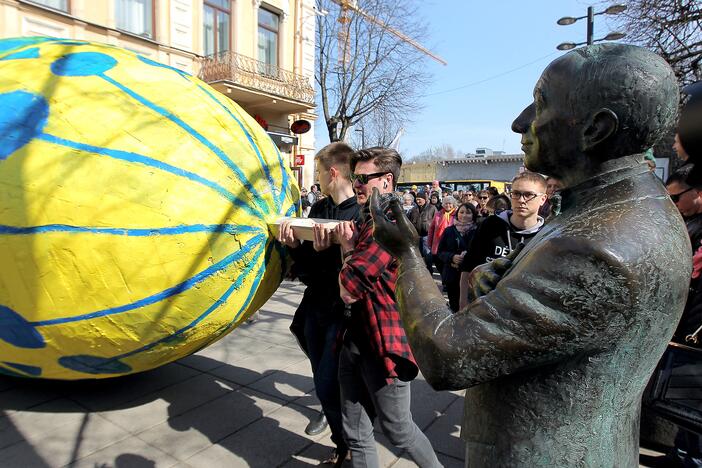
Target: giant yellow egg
134,202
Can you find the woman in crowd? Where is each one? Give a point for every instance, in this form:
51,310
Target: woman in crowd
442,220
409,207
453,247
435,200
426,211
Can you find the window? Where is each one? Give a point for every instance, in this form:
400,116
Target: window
61,5
268,40
135,16
216,26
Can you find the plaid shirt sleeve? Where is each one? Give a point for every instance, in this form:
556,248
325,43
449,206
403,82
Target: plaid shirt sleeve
369,274
368,262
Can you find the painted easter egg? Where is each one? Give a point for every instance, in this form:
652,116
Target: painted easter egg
134,202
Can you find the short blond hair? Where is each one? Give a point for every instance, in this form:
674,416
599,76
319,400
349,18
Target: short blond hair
534,177
337,154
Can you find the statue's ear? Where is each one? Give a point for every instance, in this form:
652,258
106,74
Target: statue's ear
600,126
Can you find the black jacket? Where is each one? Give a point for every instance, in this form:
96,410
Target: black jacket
496,237
319,271
453,243
691,319
426,214
694,230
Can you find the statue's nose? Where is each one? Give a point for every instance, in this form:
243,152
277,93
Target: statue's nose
523,121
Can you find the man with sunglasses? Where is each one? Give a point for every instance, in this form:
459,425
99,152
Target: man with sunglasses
688,201
498,235
375,361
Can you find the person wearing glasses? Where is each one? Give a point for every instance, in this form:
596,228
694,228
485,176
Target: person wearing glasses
319,317
375,358
499,234
483,198
688,201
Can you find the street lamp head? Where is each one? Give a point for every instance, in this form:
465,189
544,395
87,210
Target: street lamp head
566,46
614,36
615,9
566,20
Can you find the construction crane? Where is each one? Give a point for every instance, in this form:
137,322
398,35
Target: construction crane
349,8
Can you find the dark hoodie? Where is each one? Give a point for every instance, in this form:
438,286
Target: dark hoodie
496,237
319,271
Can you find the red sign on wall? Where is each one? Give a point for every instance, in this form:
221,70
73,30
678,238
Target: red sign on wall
299,160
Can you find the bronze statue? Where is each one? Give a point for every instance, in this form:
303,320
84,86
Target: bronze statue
557,348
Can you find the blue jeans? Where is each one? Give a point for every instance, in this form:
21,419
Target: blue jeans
321,342
361,377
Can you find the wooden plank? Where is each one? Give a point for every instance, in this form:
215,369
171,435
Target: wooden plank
302,227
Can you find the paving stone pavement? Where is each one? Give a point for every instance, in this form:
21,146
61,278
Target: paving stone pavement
243,401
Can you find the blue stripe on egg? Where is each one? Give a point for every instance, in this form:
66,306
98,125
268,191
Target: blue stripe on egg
131,232
159,296
23,118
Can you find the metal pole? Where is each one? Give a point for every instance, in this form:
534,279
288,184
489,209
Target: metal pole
590,24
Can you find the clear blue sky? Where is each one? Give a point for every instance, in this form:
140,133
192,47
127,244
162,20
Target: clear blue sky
484,43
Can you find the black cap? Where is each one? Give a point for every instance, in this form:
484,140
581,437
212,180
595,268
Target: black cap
693,90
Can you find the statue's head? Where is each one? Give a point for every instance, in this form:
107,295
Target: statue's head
594,104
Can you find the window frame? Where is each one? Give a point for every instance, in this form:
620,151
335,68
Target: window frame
152,36
38,3
268,28
218,10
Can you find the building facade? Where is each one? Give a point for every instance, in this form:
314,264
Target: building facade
259,53
501,167
495,166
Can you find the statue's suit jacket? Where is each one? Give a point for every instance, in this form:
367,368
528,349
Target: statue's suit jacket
558,354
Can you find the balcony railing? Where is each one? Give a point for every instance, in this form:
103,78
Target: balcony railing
254,74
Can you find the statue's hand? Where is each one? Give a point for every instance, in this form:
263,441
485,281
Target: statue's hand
484,278
398,237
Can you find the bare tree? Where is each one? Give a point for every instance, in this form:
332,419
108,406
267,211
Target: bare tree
438,153
672,28
379,128
365,72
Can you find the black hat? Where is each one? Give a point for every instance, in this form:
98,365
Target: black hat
690,131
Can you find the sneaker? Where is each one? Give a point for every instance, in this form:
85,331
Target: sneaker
317,425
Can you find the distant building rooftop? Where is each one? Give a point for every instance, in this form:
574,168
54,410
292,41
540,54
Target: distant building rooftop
498,157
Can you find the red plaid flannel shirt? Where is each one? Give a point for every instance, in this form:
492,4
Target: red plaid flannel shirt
370,274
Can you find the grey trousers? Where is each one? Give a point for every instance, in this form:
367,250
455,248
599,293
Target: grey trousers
362,378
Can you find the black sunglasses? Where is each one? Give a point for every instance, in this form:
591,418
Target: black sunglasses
676,197
364,178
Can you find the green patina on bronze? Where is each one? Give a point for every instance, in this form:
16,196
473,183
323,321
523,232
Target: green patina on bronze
556,353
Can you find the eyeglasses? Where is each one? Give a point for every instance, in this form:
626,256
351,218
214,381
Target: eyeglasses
364,178
527,196
483,198
676,197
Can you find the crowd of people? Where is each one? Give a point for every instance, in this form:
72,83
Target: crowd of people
463,229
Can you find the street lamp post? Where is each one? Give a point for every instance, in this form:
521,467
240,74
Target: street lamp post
567,20
363,136
590,24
